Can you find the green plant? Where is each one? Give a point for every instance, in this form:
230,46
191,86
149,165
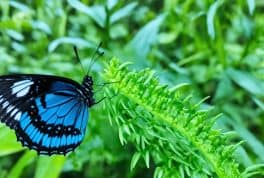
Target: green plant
165,126
214,46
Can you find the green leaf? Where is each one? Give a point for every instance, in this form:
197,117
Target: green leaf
19,6
147,158
210,18
224,88
19,47
134,160
257,169
251,6
41,26
4,5
251,139
123,12
146,36
16,35
97,13
49,166
9,142
24,160
259,103
256,146
69,40
158,173
243,157
247,81
111,3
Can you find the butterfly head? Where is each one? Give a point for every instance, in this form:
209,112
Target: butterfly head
87,86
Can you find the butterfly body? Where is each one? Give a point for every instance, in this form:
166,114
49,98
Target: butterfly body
48,113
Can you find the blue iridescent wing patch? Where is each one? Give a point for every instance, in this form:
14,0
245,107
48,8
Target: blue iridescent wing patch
49,114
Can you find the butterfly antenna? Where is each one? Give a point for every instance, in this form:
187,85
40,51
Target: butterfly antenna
95,56
77,56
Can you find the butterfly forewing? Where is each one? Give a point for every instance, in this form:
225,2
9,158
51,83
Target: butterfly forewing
48,113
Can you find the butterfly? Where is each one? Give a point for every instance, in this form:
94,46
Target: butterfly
48,113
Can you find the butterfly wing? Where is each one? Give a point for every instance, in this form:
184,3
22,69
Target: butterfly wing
48,113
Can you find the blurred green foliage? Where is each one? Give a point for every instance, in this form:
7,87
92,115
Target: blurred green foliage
217,47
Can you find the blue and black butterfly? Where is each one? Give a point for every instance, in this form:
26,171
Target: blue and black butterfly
48,113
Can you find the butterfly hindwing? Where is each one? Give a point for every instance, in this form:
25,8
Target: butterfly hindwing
48,113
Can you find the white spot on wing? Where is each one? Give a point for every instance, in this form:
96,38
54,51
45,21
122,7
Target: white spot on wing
21,82
18,116
5,104
21,88
10,107
13,112
23,92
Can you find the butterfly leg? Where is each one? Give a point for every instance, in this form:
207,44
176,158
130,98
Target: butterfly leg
104,84
100,100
